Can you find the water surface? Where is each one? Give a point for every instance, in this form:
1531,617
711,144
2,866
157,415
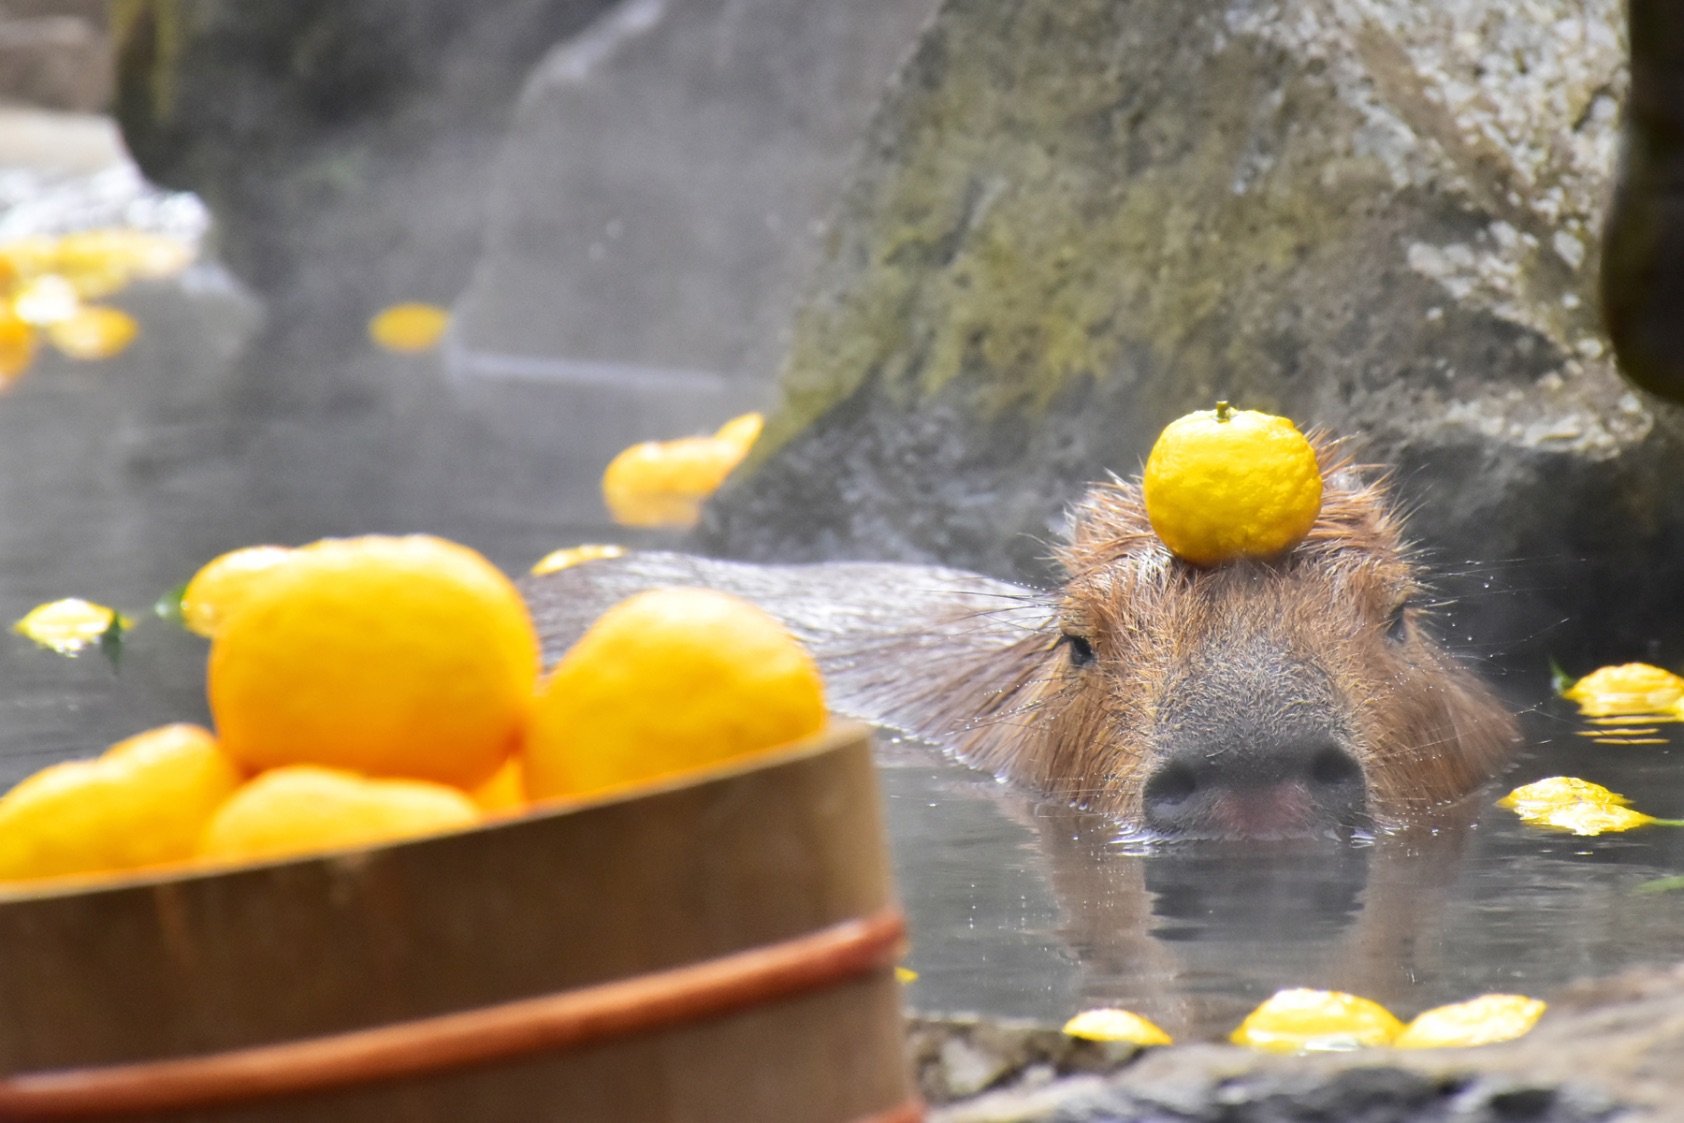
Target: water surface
1026,909
118,479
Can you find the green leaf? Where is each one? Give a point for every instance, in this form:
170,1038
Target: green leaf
111,641
1661,885
1560,681
168,606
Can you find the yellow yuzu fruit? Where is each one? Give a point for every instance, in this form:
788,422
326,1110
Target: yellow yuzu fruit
1588,818
17,346
92,261
409,327
69,625
1485,1020
304,808
1628,688
222,583
1304,1019
94,332
116,255
505,792
29,256
142,804
1109,1024
667,681
45,300
1224,484
387,656
742,430
1560,791
663,483
569,556
1572,804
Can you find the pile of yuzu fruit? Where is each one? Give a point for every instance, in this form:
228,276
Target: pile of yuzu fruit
369,689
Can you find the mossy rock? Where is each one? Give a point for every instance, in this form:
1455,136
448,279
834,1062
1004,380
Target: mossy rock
1075,220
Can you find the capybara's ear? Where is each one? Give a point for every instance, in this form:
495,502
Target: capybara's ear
1106,525
1357,510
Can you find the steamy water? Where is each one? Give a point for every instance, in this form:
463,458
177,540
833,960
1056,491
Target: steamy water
1023,909
118,479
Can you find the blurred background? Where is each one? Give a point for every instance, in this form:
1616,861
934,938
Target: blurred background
615,204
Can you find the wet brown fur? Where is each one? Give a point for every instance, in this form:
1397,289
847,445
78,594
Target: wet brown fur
1424,729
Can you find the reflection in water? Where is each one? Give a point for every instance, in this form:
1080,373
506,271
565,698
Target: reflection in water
1193,935
1207,893
1202,932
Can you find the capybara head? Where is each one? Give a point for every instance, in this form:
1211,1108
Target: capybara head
1291,696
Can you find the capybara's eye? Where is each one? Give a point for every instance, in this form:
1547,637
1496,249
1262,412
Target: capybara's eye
1081,651
1397,630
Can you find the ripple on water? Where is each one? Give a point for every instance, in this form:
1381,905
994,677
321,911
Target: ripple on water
1192,935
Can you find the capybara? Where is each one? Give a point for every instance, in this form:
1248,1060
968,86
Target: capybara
1298,695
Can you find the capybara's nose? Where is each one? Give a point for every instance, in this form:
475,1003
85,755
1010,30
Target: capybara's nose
1299,786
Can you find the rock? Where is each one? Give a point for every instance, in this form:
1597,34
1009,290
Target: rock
1605,1048
1075,220
654,212
56,57
958,1057
344,147
1643,251
652,199
1222,1091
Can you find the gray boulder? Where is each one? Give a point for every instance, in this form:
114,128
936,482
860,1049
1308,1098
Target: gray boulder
656,204
344,147
1643,242
55,54
1606,1048
1075,220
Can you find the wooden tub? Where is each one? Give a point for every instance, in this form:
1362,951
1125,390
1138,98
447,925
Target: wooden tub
717,949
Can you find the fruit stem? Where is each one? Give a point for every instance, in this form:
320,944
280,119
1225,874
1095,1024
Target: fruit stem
1223,411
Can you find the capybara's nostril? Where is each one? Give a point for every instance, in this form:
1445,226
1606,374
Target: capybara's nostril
1332,767
1170,787
1259,788
1178,796
1338,788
